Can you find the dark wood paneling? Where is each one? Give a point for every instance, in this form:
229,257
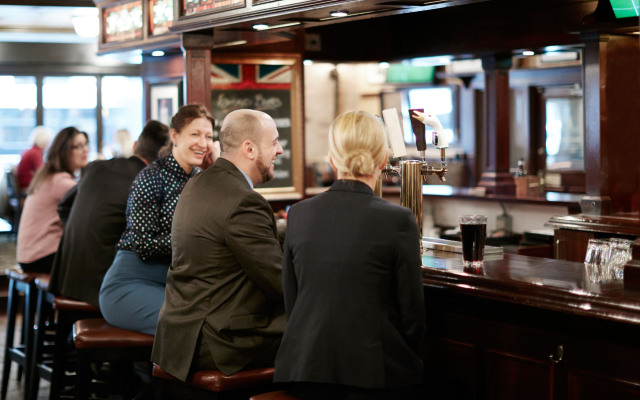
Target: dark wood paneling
611,87
508,325
496,176
511,377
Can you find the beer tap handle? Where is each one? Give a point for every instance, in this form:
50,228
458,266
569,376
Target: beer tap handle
418,130
439,138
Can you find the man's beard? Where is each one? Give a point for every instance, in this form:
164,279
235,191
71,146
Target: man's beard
265,172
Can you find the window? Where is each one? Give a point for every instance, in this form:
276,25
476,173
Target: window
564,127
438,100
559,137
17,115
121,108
71,101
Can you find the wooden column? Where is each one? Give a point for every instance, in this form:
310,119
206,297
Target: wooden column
197,72
495,176
612,118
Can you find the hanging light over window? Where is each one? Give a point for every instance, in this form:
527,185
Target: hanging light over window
85,22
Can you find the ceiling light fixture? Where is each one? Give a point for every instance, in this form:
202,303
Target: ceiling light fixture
360,13
285,25
86,23
338,14
228,44
260,27
157,53
528,53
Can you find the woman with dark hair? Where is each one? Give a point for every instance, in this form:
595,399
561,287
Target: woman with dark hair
40,226
132,291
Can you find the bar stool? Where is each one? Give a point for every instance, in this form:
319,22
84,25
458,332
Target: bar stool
278,395
97,341
51,365
21,353
213,384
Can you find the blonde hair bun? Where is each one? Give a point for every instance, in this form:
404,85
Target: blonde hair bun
357,143
359,163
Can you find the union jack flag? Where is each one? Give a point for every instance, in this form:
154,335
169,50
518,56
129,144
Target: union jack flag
250,76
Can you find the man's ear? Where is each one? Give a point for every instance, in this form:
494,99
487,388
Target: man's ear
249,150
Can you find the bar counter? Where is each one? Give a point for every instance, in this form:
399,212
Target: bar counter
538,282
528,328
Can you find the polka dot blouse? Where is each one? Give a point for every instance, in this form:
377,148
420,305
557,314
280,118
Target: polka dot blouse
152,200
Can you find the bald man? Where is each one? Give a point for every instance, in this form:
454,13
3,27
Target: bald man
223,307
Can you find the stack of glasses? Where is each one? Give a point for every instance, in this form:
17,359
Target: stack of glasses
605,259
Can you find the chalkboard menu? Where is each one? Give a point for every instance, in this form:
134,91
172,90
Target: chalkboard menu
276,103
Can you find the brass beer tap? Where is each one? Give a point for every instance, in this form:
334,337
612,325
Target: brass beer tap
412,172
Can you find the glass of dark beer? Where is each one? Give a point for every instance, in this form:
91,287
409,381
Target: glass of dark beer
473,231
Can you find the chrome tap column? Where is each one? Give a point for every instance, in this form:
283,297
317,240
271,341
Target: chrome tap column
411,189
413,173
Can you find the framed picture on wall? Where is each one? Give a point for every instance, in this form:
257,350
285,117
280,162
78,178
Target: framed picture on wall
164,100
270,83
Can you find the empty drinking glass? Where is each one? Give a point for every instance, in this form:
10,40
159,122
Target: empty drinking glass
620,253
597,260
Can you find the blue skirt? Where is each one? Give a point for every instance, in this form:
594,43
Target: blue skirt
132,292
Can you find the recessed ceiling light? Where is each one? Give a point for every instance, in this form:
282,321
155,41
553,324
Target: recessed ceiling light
338,14
528,53
157,53
265,27
307,62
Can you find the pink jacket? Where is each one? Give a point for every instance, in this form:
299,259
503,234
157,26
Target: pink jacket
40,227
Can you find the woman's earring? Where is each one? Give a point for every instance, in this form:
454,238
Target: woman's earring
175,145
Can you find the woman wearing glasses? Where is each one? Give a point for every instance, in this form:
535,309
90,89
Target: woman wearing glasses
40,226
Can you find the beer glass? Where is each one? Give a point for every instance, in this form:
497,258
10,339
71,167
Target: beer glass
473,231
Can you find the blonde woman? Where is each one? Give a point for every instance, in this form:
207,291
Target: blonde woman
352,280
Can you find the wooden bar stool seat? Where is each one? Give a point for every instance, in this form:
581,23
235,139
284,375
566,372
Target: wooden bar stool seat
98,341
213,384
50,362
20,283
278,395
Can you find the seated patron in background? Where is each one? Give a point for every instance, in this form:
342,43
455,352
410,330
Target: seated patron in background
223,308
40,226
352,280
132,290
33,158
94,211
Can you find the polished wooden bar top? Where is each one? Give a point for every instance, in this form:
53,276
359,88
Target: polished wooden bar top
621,224
536,282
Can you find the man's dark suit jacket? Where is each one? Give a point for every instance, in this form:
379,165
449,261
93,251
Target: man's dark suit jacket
95,218
225,275
353,291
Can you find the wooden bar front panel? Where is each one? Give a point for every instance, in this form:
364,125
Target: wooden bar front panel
528,328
